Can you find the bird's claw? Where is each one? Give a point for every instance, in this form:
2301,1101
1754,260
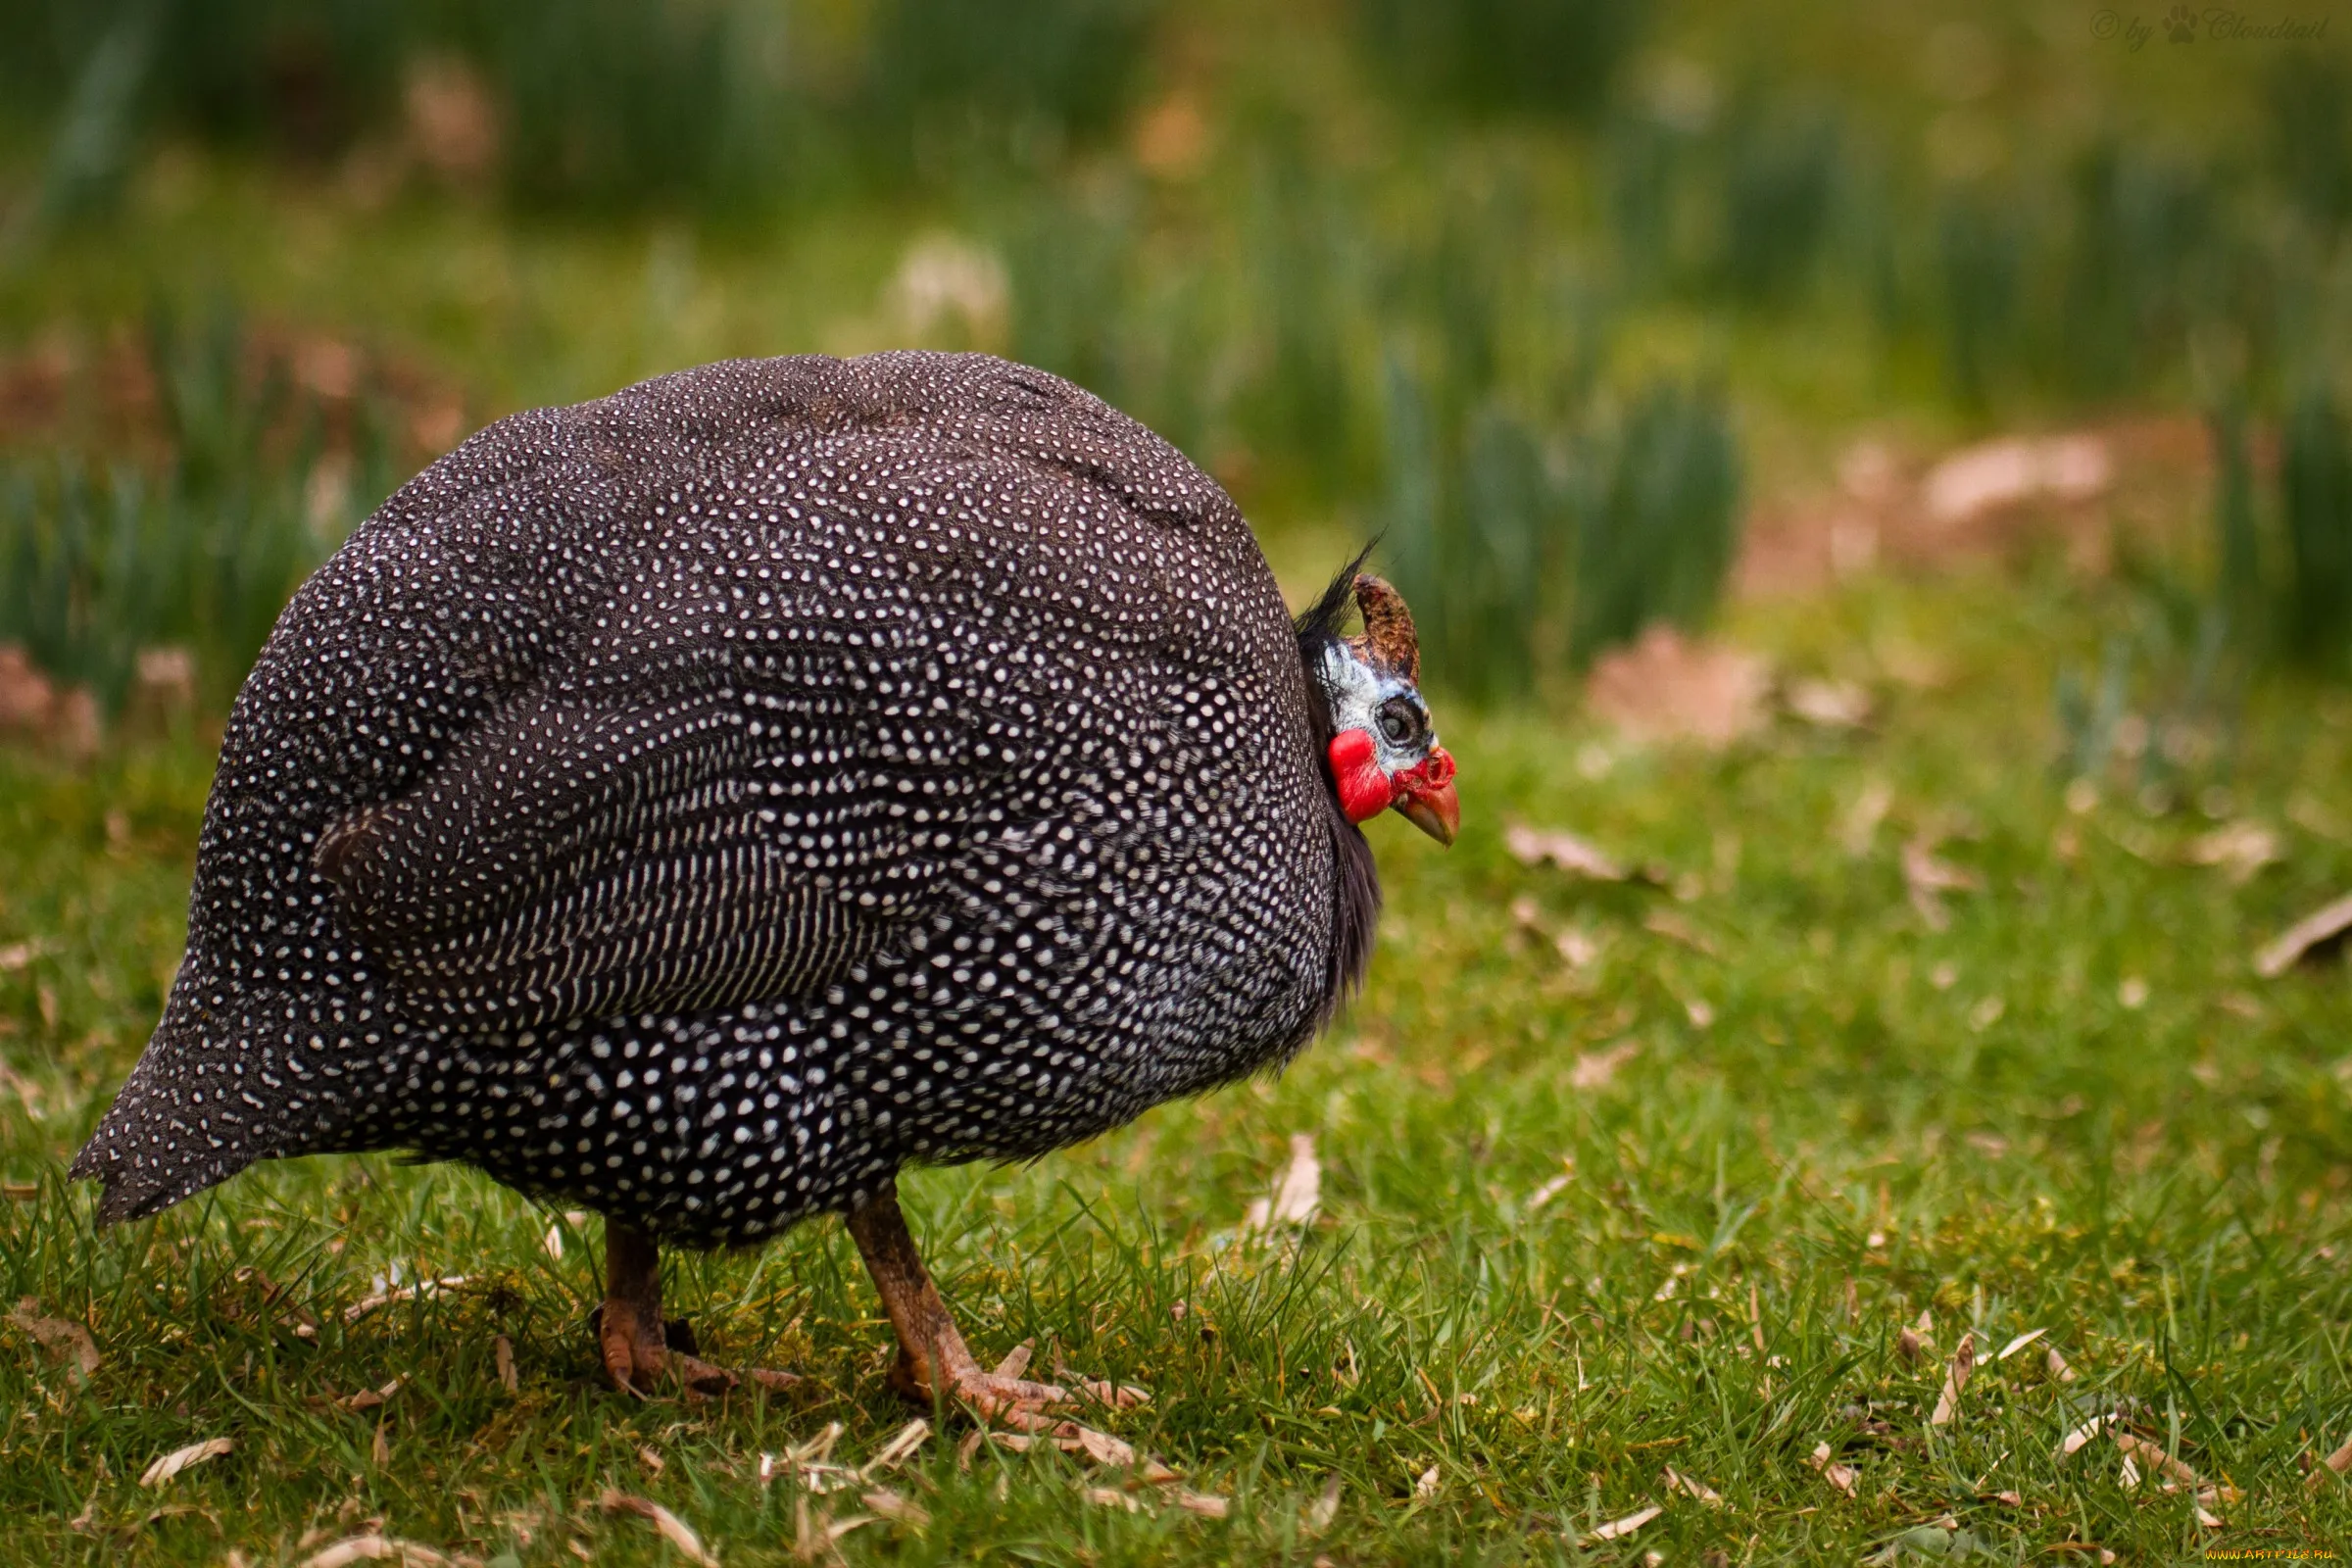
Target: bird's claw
640,1363
1018,1402
1116,1395
1110,1395
633,1355
1027,1405
706,1380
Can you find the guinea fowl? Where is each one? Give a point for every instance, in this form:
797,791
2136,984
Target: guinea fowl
699,803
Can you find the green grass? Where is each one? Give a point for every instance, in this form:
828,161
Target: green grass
1880,1120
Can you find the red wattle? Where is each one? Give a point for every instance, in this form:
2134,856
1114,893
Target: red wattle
1364,790
1434,772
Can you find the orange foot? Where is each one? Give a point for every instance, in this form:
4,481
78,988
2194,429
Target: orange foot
640,1351
932,1352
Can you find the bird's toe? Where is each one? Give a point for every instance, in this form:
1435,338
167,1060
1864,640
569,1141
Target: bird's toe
1117,1396
634,1361
1017,1402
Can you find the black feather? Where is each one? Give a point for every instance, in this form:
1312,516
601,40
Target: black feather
1356,887
699,803
1318,624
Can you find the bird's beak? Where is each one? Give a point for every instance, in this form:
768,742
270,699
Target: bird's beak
1434,813
1426,797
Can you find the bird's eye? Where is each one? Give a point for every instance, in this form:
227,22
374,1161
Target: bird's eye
1400,723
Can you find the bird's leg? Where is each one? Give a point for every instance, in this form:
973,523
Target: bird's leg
630,1332
932,1356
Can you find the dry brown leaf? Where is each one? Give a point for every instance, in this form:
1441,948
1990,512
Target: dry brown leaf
1552,1188
1172,137
33,708
674,1530
504,1349
1595,1068
1113,1497
25,693
63,1337
1829,703
1676,1481
900,1510
2058,1367
2009,470
816,1535
1577,947
1841,1476
1326,1506
807,1463
171,1464
1928,879
1665,687
652,1461
1674,928
74,728
451,121
373,1548
1955,1380
1859,828
2158,1461
422,1290
2336,1464
1296,1195
16,1083
1099,1447
163,684
2240,849
2311,934
1908,1345
369,1399
2020,1343
2208,1519
2075,1439
380,1451
1016,1359
1427,1485
1619,1529
1208,1504
896,1450
1557,847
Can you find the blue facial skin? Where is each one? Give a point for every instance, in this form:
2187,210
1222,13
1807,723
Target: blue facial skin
1385,706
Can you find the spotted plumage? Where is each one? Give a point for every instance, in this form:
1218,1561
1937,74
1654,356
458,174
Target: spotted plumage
699,803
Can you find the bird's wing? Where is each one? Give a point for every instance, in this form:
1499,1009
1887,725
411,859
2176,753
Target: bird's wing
649,847
807,634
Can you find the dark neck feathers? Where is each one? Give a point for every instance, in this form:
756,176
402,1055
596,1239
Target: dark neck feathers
1355,880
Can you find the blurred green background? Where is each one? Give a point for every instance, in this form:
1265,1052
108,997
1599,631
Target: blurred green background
1978,373
1553,295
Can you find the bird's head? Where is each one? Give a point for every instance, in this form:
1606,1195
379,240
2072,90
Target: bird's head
1383,750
